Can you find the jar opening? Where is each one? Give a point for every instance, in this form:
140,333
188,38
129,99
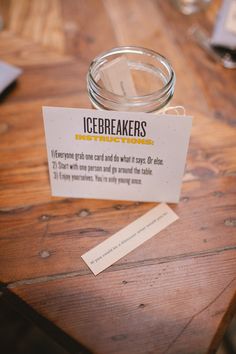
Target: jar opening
151,73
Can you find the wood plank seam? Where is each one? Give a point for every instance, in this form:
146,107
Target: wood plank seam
117,267
198,313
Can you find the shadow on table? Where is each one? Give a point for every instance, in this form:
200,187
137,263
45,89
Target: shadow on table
228,344
23,330
19,336
8,91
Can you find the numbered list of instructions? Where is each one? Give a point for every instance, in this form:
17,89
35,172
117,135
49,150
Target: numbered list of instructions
117,169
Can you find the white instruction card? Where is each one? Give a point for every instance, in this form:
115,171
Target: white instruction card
116,155
129,238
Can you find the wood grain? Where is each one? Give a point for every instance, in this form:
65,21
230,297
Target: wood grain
39,21
149,309
173,294
85,223
88,29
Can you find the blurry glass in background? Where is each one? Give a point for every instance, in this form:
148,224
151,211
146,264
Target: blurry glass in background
188,7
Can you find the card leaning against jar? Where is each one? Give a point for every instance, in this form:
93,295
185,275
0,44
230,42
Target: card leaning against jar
116,155
118,152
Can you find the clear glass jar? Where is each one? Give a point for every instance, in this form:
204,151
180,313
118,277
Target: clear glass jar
189,7
152,75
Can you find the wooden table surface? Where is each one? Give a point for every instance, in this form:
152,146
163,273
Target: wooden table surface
176,292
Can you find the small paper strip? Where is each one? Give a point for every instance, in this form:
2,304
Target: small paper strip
129,238
117,78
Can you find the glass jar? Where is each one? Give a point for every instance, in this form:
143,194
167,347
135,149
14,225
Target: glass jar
189,7
152,75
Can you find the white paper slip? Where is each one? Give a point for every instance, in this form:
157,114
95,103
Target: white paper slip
8,74
129,238
231,18
224,33
117,78
116,155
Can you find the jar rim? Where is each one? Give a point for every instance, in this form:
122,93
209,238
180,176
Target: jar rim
132,50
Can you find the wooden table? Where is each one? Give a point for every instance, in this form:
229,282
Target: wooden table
176,292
